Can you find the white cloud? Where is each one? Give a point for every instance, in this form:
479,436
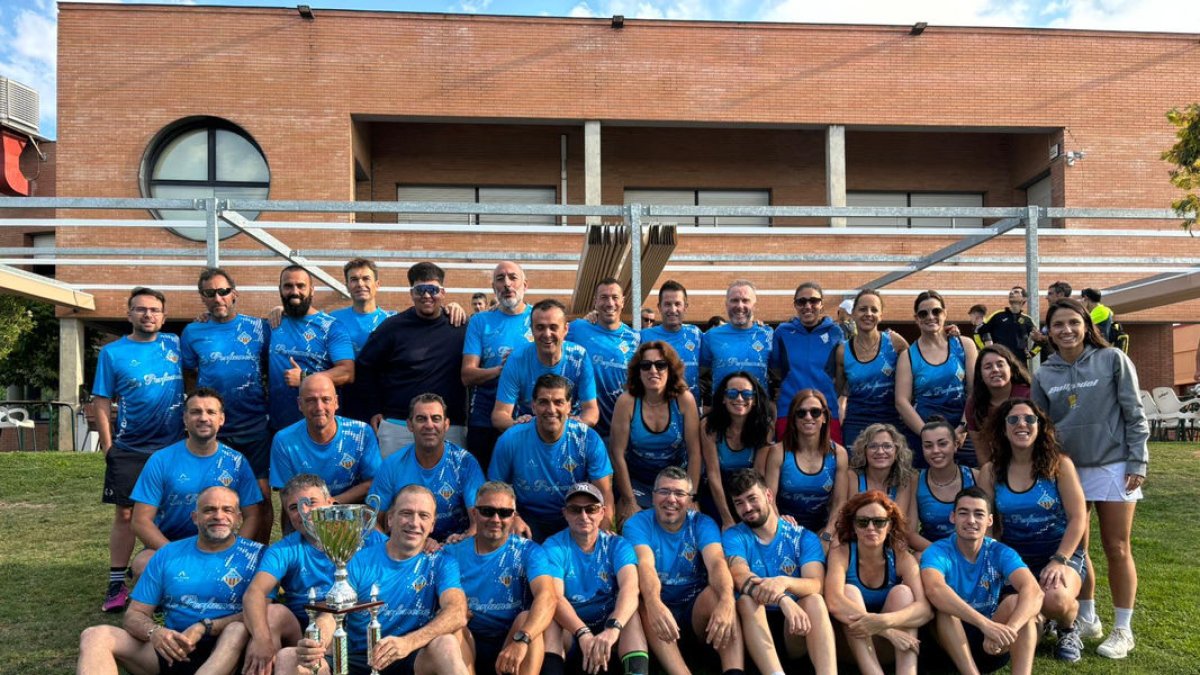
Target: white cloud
647,9
29,55
1140,15
935,12
582,11
472,6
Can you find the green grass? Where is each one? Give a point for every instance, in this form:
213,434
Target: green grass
54,552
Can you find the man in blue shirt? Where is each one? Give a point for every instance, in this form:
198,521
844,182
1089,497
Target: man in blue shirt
800,350
340,450
684,579
685,338
142,372
451,473
541,459
609,344
549,354
228,353
505,630
198,584
359,320
963,575
740,344
779,569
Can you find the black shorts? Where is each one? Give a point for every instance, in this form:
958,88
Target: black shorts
481,441
195,660
487,650
121,471
256,448
358,664
985,662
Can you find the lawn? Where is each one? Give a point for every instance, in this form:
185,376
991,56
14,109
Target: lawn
53,564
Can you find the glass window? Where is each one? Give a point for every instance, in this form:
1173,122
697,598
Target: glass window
476,195
902,199
664,197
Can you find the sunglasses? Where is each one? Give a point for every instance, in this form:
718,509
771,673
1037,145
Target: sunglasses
427,289
800,302
659,365
862,523
735,394
814,413
926,313
490,511
214,292
590,509
1014,420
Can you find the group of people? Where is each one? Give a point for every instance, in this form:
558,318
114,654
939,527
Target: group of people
773,488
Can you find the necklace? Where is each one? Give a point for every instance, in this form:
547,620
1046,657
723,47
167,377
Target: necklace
946,484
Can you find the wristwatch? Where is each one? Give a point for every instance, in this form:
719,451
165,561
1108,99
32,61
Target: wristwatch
613,623
826,537
1059,558
208,626
522,636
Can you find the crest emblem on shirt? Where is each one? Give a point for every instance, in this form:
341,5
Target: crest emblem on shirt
172,356
1046,501
232,578
689,553
625,347
446,491
346,462
419,584
309,335
602,575
690,346
788,566
887,371
828,485
569,464
960,374
506,579
824,338
225,479
244,338
758,346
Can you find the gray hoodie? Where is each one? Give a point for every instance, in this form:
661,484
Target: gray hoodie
1096,408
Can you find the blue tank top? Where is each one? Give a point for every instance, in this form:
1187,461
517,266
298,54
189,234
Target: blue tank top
871,385
806,497
1034,521
650,452
939,389
862,486
873,598
933,512
732,460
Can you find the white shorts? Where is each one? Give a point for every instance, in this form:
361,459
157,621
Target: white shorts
394,434
1106,484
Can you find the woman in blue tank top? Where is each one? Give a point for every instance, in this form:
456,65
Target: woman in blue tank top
655,425
871,581
935,379
1040,509
938,484
865,369
880,460
805,470
739,423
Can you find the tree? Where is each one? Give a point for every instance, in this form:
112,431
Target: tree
29,346
1185,155
16,320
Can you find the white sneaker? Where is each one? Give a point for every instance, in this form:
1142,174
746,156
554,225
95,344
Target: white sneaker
1118,645
1089,630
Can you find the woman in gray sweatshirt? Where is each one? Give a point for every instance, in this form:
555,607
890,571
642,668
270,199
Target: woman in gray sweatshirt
1090,391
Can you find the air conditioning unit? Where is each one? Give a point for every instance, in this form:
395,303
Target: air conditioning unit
18,106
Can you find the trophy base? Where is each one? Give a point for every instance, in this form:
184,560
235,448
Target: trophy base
330,609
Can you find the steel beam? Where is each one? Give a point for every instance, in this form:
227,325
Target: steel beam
945,253
266,239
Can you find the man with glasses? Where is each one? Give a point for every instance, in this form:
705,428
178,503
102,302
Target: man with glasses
419,350
687,591
609,344
684,338
502,571
740,344
142,372
799,351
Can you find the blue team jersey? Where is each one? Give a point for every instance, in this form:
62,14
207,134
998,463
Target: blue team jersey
316,342
589,579
174,477
147,380
491,336
497,583
786,555
189,585
231,357
298,566
870,389
523,368
453,481
726,349
1033,522
800,354
351,457
541,472
677,555
804,496
649,452
978,583
939,389
609,350
410,590
934,513
687,343
873,597
731,460
358,325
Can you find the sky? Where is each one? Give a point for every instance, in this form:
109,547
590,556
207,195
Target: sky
28,28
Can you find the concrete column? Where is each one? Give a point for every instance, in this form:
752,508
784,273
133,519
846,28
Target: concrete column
592,195
70,375
835,169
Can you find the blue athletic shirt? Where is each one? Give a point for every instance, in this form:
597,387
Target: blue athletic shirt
540,472
1033,521
316,342
873,598
862,485
523,369
731,460
677,555
589,579
410,590
978,583
871,389
145,377
359,325
497,583
939,389
453,481
793,547
298,566
726,349
492,335
609,350
173,478
933,512
351,457
231,357
189,585
649,452
806,497
687,343
800,354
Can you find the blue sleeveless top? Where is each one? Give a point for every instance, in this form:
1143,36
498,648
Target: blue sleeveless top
806,497
871,387
1034,521
649,452
732,460
933,512
862,486
940,389
873,598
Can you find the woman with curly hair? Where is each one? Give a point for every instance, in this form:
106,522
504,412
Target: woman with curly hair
873,585
655,424
1040,510
738,425
999,376
880,460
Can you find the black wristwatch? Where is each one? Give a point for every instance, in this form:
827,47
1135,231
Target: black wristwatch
826,537
613,623
208,626
1060,558
522,636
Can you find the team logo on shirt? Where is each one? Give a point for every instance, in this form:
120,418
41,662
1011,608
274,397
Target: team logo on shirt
828,486
689,553
960,374
346,462
446,491
172,356
570,464
182,575
887,371
690,346
625,347
419,584
602,575
225,479
506,579
788,566
244,338
1046,501
232,578
758,346
824,338
309,335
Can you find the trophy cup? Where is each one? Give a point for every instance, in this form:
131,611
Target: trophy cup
339,530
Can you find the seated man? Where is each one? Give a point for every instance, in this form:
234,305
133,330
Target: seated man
683,577
963,575
542,459
451,473
779,568
165,494
596,581
505,632
424,606
342,451
295,564
197,583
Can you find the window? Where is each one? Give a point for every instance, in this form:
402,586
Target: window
205,157
967,199
476,195
703,198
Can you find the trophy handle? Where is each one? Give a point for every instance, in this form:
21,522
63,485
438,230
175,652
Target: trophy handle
304,505
370,514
